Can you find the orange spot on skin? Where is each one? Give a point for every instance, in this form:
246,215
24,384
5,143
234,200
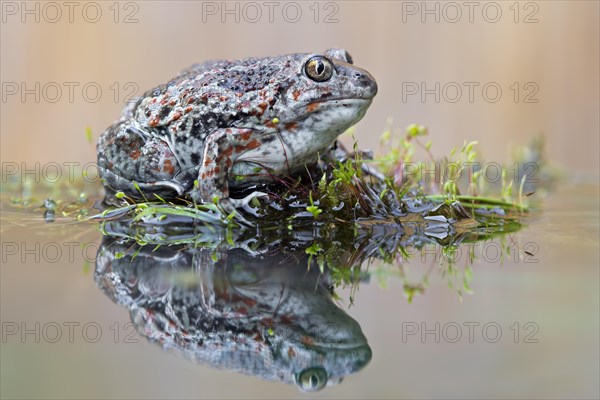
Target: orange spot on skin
241,310
291,352
291,126
249,302
263,106
168,167
207,161
172,103
188,109
135,154
176,116
253,144
222,293
286,319
191,100
153,122
296,94
224,154
270,124
312,107
250,146
236,297
245,135
307,341
217,170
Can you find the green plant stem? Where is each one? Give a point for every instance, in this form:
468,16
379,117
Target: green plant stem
481,201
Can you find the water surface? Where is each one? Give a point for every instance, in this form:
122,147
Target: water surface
513,317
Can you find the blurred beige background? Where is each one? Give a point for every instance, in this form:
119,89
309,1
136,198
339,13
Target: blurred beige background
549,48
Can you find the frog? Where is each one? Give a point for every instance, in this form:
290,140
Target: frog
226,124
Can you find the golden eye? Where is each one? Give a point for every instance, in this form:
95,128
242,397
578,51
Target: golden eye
318,68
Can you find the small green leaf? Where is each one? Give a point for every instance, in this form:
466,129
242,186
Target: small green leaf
314,249
314,210
88,134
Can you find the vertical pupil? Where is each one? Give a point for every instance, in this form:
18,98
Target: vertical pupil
314,381
320,67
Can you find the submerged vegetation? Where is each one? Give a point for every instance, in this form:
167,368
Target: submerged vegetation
348,210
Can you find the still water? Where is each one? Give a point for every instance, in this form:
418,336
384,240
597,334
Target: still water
87,315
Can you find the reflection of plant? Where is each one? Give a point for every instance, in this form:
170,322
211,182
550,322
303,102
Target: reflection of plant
458,278
451,261
348,255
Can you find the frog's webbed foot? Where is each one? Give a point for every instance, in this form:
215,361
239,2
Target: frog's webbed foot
228,207
169,185
225,205
241,203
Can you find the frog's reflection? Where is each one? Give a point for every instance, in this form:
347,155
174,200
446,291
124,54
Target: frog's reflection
269,316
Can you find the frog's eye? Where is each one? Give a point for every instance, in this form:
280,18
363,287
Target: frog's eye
318,69
311,379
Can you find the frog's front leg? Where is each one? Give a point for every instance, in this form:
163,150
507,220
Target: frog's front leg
221,149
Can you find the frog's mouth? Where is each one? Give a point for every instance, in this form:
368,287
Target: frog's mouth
337,113
333,114
346,103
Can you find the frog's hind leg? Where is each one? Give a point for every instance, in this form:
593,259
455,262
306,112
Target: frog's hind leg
128,158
